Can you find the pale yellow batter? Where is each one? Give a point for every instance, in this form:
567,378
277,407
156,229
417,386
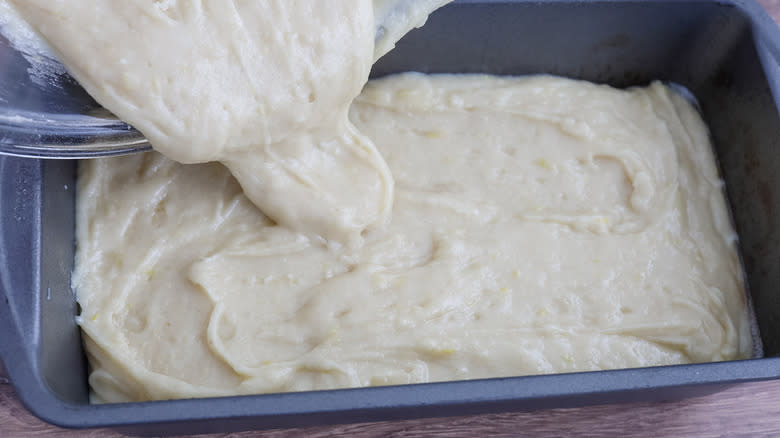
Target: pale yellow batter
540,225
262,86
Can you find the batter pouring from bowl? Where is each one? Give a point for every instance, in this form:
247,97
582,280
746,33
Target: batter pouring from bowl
262,86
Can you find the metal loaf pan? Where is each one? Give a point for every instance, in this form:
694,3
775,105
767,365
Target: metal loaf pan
724,51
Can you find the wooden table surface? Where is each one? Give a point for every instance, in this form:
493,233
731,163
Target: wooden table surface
746,410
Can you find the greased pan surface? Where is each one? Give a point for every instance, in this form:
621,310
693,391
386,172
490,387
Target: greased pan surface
722,51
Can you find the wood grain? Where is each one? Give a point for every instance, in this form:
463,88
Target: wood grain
747,410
